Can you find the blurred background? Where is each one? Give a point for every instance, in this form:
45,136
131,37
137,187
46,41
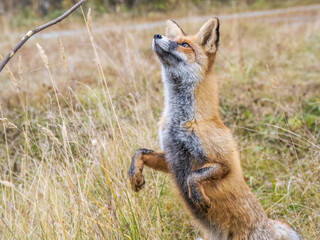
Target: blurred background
25,11
45,7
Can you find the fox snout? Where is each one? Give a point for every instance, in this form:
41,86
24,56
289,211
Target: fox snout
157,42
161,44
157,36
166,50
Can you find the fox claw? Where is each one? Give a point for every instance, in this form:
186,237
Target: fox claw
138,184
204,206
135,171
199,200
137,181
139,187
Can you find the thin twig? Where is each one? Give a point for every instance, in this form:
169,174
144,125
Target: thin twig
36,30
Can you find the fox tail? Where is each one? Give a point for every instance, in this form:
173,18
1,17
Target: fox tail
284,232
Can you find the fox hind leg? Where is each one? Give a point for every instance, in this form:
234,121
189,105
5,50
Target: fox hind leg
210,172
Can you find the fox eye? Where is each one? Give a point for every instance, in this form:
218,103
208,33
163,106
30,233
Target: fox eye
184,44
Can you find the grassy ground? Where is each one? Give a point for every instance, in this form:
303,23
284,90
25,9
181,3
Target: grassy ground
77,111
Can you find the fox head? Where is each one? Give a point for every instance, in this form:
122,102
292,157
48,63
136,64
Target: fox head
183,54
190,88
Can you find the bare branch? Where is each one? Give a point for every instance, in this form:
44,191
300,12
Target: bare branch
36,30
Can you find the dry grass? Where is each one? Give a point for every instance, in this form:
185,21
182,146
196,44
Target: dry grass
82,106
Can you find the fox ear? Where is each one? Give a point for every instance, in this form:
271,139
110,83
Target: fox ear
209,35
173,30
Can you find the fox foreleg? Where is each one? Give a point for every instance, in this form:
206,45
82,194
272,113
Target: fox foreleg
150,158
205,175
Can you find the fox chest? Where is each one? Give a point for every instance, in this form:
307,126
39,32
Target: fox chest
183,152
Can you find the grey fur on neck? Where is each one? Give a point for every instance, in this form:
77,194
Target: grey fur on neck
179,86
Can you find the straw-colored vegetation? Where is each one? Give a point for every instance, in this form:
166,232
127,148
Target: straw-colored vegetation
74,110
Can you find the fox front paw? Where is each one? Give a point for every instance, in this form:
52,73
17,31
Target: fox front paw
199,199
137,181
135,171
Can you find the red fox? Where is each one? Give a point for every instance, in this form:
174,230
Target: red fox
198,149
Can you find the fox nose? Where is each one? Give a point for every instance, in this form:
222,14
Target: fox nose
157,36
